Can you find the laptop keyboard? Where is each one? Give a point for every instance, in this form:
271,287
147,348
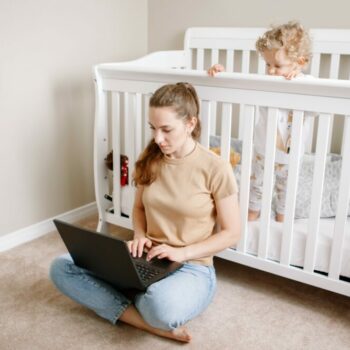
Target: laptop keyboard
147,272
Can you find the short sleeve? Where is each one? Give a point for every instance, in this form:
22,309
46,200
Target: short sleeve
223,182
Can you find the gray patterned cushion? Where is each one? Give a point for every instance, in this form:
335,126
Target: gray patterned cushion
303,200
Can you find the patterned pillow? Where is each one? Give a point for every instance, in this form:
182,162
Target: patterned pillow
303,200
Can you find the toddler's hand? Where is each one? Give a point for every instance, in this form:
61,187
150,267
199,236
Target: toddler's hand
216,68
291,75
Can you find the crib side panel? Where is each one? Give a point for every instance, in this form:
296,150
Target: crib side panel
129,106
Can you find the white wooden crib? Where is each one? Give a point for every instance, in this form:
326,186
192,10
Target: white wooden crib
313,250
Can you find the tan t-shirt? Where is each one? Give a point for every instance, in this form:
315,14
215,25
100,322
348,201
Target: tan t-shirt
179,204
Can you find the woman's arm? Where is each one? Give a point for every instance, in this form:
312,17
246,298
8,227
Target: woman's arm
228,217
229,220
136,246
138,214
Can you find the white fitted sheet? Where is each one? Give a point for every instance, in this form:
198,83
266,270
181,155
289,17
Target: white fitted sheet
324,241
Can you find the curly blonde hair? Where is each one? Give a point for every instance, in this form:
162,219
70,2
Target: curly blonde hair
292,37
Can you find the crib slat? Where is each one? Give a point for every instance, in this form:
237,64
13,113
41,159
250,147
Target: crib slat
245,61
308,145
317,190
100,152
292,184
205,123
138,125
261,65
128,133
268,182
330,132
189,59
346,127
213,111
315,65
214,56
247,150
334,71
245,69
241,121
116,152
333,74
226,121
342,211
229,60
147,134
200,59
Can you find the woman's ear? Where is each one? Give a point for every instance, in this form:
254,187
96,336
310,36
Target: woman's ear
192,123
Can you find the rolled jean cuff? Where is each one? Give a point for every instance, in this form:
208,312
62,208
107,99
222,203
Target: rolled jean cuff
124,305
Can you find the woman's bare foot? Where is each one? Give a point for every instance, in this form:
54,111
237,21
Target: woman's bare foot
132,317
253,215
179,334
182,334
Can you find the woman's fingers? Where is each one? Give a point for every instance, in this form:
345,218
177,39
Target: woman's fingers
161,251
134,246
138,246
155,251
163,255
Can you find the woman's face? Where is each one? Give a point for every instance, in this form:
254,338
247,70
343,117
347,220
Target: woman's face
169,131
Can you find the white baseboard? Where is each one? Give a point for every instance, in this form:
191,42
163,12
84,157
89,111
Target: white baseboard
29,233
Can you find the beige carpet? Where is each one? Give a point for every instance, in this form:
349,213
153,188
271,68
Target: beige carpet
251,310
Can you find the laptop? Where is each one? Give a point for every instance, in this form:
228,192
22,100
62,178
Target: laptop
109,258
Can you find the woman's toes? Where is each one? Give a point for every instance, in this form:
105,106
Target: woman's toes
182,334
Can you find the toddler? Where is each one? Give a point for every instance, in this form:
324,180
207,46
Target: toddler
286,51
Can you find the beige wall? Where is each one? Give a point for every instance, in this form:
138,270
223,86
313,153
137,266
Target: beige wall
168,19
47,50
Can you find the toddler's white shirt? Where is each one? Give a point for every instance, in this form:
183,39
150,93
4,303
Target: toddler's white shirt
284,131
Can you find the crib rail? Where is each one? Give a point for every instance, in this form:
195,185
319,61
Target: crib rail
122,95
235,49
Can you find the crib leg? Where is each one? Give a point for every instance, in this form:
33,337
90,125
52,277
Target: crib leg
102,226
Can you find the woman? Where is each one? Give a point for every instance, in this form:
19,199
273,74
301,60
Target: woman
182,189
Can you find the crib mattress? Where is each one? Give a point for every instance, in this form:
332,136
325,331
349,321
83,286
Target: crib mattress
324,242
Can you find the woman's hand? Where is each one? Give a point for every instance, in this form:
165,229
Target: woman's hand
216,68
138,245
165,251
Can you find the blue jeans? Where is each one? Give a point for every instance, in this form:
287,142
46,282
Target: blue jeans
166,304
